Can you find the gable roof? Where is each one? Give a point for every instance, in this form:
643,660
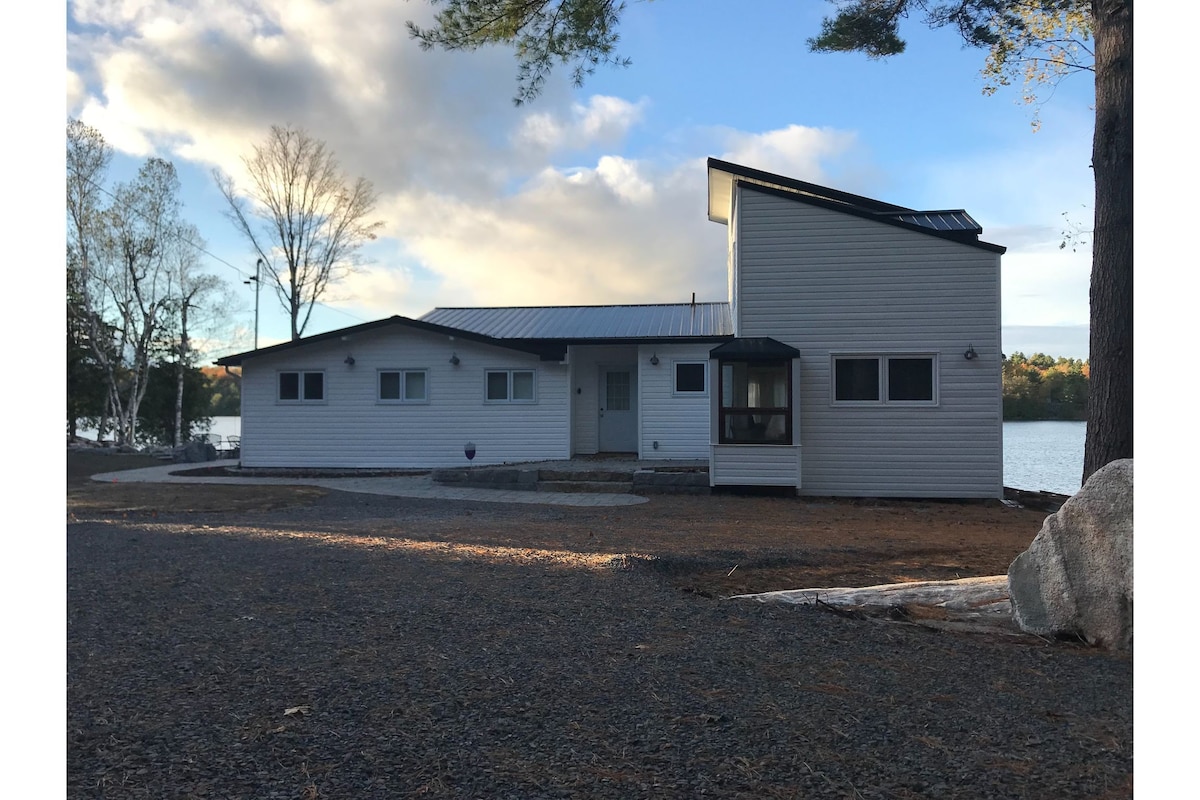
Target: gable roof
954,224
397,320
543,331
592,323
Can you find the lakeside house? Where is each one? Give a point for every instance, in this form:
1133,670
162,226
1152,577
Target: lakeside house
857,354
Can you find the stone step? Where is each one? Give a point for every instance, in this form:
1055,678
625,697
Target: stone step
605,487
585,475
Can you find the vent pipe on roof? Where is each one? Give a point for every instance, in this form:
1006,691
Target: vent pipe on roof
693,299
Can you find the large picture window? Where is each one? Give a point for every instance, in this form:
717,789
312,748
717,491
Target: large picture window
403,386
509,386
756,402
301,387
885,379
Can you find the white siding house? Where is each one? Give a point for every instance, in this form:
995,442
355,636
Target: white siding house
858,354
526,384
895,317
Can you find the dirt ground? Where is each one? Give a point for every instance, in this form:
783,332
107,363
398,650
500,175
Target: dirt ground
716,545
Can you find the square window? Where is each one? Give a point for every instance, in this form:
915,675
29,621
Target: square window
414,386
314,386
389,386
856,379
522,385
497,386
289,386
690,377
910,379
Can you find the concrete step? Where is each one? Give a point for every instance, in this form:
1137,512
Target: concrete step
605,486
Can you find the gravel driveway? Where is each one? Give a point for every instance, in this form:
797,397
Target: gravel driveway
311,654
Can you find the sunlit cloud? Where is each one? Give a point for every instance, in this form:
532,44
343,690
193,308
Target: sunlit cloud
484,203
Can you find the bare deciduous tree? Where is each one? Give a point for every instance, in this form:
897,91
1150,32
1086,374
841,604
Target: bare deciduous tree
195,296
302,216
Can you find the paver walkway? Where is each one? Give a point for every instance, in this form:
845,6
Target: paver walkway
420,486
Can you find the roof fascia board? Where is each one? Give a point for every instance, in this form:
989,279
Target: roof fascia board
804,187
522,345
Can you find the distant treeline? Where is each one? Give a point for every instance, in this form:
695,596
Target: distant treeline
1044,387
208,392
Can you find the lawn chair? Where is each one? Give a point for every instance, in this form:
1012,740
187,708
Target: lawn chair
233,447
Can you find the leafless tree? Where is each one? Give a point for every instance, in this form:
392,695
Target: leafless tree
195,298
116,252
88,158
302,217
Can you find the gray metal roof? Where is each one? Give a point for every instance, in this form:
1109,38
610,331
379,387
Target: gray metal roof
667,321
957,220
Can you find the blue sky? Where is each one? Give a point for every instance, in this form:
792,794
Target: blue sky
588,195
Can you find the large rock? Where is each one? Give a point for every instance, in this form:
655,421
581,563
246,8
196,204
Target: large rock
1076,579
194,452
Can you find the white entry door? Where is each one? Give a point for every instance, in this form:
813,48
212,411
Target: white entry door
618,409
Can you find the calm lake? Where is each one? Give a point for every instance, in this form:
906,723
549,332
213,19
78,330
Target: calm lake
1045,456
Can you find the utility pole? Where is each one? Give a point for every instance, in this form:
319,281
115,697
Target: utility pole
256,280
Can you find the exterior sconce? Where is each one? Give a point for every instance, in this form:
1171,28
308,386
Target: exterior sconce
349,362
970,355
654,359
454,359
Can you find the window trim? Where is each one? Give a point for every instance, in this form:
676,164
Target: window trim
882,359
508,400
787,411
676,391
301,399
402,399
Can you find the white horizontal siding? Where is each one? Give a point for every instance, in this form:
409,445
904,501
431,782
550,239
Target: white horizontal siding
679,424
351,429
827,282
754,465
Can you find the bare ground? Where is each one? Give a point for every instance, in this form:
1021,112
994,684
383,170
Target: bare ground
716,545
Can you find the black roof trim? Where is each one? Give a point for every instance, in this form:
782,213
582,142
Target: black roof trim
546,349
524,346
953,236
754,348
807,188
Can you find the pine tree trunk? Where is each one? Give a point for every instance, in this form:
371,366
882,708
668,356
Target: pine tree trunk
1110,403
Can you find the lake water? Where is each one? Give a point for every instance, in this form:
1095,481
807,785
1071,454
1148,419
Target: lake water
222,426
1039,456
1045,456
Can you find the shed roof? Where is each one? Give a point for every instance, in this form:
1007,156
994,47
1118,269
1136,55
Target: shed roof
591,323
954,224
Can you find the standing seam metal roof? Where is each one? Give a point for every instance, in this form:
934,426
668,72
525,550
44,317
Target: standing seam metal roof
590,322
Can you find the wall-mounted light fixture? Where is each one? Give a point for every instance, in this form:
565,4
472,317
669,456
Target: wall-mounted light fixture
654,359
349,361
454,359
970,355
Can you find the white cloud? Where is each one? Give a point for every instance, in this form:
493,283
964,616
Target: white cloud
796,151
601,121
479,205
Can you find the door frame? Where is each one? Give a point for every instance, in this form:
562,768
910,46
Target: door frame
602,400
